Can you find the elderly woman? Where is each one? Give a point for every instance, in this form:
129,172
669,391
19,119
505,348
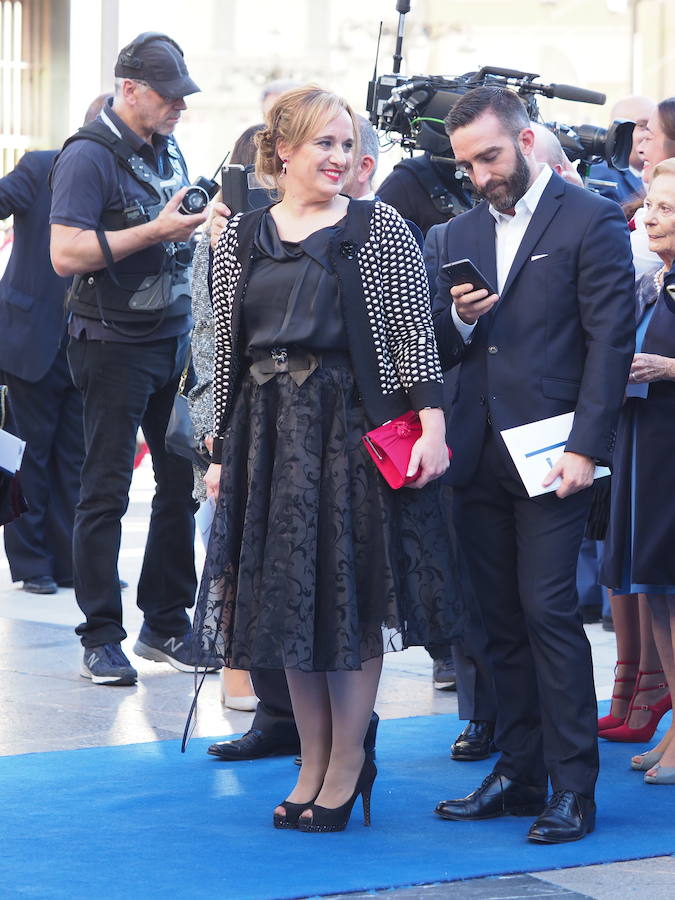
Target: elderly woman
639,556
315,565
640,697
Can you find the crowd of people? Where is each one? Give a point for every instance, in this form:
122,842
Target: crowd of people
302,324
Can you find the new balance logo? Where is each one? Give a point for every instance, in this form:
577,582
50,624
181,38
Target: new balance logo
173,644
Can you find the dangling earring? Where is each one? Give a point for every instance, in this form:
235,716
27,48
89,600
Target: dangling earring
283,166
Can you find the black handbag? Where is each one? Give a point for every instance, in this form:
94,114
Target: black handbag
12,501
180,436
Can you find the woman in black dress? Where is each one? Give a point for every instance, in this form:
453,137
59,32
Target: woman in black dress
322,331
639,556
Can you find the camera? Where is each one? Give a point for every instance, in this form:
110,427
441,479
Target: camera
588,142
412,110
197,196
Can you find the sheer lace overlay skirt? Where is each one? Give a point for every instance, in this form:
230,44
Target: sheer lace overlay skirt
313,562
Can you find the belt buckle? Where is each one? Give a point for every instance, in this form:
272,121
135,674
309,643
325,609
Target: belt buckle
279,356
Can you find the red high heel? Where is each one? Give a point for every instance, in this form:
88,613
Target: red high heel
657,711
610,721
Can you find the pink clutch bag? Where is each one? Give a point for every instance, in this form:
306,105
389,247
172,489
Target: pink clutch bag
390,447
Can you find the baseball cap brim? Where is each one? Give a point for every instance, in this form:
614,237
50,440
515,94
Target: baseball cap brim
178,87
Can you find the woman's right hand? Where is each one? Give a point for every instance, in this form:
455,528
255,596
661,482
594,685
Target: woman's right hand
220,213
647,367
212,481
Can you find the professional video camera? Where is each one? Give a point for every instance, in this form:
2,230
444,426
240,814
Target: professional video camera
411,110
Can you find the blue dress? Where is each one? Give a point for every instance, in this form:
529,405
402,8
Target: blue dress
639,550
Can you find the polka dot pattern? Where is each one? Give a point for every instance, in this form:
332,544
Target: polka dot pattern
396,295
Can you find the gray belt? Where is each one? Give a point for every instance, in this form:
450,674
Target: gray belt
299,364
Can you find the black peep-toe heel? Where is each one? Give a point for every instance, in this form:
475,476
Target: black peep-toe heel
293,810
326,819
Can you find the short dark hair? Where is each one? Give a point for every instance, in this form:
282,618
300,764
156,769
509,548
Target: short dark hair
243,152
503,103
666,112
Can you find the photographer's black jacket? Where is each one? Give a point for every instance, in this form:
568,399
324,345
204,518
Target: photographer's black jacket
384,297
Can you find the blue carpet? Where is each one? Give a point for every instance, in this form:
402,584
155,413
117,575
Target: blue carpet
144,821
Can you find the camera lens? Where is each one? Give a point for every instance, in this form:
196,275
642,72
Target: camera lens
195,201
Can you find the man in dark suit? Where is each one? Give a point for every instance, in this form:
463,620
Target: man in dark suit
558,337
46,404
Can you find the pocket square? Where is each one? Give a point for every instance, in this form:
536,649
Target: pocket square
538,256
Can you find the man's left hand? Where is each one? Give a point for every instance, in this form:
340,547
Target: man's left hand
575,471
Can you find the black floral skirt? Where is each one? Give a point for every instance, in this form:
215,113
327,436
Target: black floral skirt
313,562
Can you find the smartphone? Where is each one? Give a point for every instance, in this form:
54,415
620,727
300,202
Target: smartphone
463,271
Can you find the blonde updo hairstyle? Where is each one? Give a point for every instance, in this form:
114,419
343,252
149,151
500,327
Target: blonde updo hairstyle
294,118
665,167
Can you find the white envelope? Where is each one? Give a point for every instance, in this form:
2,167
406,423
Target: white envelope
535,448
11,452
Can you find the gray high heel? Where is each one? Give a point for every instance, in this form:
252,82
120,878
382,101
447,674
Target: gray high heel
648,760
664,775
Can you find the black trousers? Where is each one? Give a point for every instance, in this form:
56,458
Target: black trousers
476,697
124,387
48,416
522,555
274,713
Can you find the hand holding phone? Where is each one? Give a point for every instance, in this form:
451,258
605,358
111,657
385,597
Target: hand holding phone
480,296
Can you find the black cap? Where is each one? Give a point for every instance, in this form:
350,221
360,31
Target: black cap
157,59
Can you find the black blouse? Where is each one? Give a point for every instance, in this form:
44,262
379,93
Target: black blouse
292,296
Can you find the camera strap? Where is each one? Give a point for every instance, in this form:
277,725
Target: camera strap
443,199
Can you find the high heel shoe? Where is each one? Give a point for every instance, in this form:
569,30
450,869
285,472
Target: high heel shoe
664,775
326,819
656,712
643,762
610,721
293,811
243,703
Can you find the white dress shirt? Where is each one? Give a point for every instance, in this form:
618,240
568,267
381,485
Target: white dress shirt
509,232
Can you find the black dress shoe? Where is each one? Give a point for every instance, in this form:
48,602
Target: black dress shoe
368,741
475,742
40,584
497,796
255,744
568,817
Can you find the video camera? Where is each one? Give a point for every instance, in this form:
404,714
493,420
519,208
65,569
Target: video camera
412,110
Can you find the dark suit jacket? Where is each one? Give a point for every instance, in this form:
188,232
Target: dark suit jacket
627,185
31,293
561,337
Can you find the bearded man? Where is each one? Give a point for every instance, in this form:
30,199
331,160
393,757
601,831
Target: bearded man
556,338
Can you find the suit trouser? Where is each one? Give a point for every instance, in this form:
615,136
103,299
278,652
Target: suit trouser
48,416
590,591
126,386
523,554
274,713
475,683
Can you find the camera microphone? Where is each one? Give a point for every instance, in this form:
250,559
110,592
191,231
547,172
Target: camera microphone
580,95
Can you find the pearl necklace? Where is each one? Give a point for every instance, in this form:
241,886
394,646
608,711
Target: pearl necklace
658,278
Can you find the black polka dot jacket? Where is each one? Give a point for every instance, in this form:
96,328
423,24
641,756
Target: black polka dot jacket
384,297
